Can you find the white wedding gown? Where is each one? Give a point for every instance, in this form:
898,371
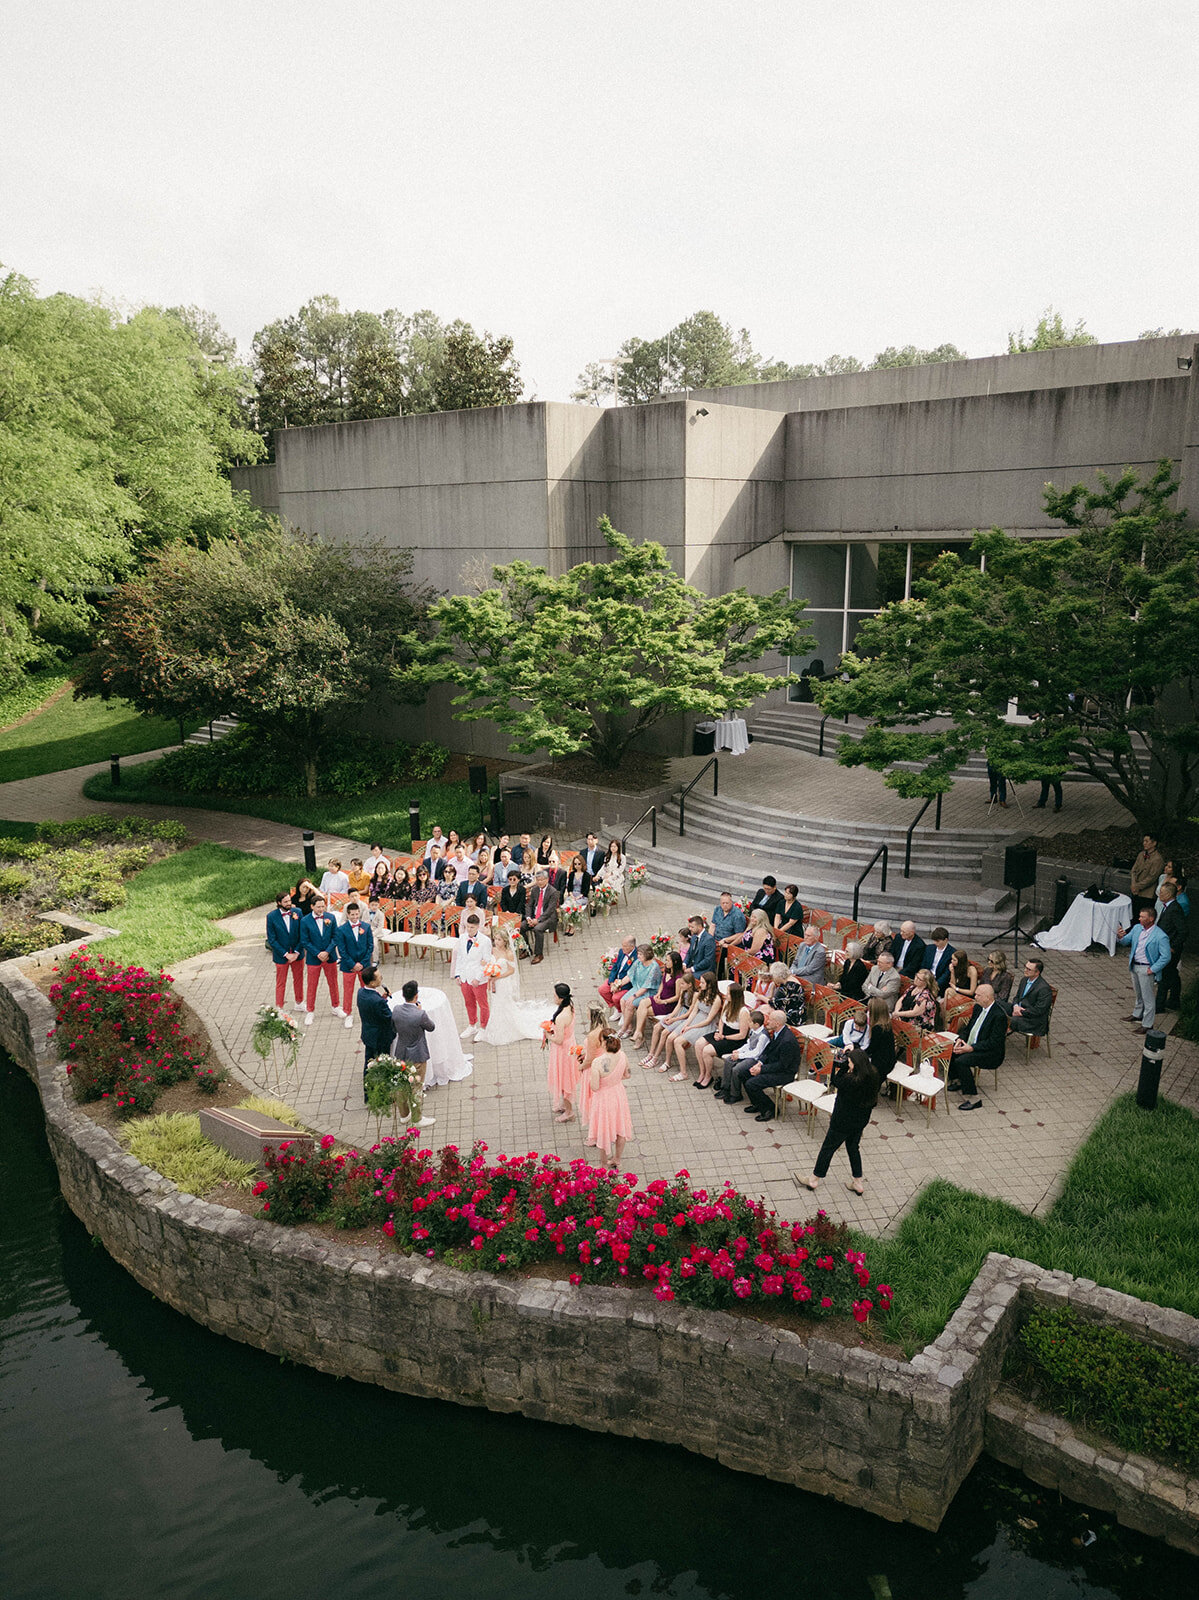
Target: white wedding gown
511,1017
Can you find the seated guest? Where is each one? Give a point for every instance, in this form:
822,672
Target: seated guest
881,1048
662,1003
758,936
855,1031
476,846
981,1043
423,889
452,842
359,880
592,857
514,893
523,854
502,867
335,881
617,981
786,995
671,1022
881,938
728,920
575,881
459,864
963,978
472,889
938,957
435,841
303,895
399,885
541,913
701,1026
919,1005
790,918
379,886
1032,1001
373,858
811,957
613,870
768,899
884,982
778,1064
645,979
854,972
730,1035
483,862
735,1066
908,949
701,947
997,975
547,855
439,867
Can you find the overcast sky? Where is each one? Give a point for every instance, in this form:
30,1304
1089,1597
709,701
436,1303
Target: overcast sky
834,176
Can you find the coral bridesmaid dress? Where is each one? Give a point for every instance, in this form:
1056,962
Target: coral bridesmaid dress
610,1115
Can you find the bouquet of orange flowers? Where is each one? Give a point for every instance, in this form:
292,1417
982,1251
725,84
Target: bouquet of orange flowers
546,1029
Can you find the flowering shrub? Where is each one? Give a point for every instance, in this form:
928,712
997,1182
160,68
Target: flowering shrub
687,1244
118,1029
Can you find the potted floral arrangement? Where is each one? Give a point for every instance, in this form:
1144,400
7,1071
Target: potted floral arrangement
607,962
604,897
661,943
635,877
395,1088
571,918
274,1027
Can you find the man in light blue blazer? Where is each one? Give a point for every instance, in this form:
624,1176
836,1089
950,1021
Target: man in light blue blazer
1148,958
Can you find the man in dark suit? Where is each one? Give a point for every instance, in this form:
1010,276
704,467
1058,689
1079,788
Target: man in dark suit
378,1029
981,1042
593,859
471,888
701,952
779,1063
1032,1002
769,899
411,1025
909,951
436,863
938,958
541,913
1173,923
283,936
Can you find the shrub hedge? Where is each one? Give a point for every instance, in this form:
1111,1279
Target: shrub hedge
246,763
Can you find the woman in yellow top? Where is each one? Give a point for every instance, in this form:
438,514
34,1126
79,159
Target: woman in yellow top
358,876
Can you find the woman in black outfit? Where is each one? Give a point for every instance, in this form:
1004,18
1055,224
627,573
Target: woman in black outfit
881,1048
856,1082
854,972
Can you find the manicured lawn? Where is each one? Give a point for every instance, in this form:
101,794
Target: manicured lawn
28,695
1128,1217
172,905
378,816
72,733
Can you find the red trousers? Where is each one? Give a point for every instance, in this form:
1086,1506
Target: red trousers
296,968
314,979
478,1006
605,990
349,982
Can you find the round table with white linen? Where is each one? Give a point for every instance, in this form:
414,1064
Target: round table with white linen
1087,922
447,1062
732,735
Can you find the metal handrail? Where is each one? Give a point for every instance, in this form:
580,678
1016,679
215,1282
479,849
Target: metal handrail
823,720
714,763
652,813
881,851
907,849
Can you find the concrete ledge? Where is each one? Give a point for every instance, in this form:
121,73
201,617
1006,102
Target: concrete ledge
571,809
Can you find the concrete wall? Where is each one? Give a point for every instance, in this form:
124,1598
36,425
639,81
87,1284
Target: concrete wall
260,483
969,463
946,380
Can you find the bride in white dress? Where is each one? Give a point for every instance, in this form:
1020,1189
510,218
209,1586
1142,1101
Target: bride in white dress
511,1017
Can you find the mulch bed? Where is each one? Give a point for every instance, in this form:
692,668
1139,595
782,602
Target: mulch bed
637,771
1117,844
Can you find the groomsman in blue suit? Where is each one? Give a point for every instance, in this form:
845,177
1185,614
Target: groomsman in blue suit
355,947
318,940
283,936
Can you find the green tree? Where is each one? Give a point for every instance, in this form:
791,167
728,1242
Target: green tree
1094,634
701,352
475,370
591,659
1161,333
1051,333
114,437
290,634
909,356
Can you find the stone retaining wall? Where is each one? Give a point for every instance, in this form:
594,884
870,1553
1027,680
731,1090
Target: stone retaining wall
895,1438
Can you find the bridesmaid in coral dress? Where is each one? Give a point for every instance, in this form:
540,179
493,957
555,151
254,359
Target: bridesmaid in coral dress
562,1074
611,1121
592,1045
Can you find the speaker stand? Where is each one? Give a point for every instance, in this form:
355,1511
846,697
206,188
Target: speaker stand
1018,935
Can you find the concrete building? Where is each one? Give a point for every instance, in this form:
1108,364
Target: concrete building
841,489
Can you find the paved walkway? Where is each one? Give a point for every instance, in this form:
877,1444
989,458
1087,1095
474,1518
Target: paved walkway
1016,1147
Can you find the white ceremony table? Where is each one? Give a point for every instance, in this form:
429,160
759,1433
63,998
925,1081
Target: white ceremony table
732,735
1087,922
447,1062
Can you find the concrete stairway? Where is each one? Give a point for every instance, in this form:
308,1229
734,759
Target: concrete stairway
731,843
218,728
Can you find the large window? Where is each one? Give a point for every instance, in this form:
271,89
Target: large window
846,583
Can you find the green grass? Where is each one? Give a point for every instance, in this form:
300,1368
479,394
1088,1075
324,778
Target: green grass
1128,1217
172,905
18,830
381,815
71,733
172,1144
31,692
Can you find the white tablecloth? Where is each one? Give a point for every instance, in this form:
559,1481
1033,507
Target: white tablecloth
447,1063
1086,922
732,735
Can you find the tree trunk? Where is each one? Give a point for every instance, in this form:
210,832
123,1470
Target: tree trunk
310,775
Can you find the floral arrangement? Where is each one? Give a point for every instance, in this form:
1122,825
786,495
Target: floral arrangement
571,917
492,970
547,1028
119,1031
604,897
661,943
271,1027
635,877
743,903
607,962
710,1249
393,1087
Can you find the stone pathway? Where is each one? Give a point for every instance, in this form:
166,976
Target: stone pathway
1016,1147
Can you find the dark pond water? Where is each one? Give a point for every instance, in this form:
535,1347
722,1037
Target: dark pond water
143,1456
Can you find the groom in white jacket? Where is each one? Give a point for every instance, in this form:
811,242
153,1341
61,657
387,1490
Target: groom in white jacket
472,952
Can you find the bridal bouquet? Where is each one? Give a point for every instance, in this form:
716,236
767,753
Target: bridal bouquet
492,970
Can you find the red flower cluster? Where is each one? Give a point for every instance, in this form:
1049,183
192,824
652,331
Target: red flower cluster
687,1244
119,1031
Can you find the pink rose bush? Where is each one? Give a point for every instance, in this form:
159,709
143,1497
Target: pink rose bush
119,1031
710,1249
